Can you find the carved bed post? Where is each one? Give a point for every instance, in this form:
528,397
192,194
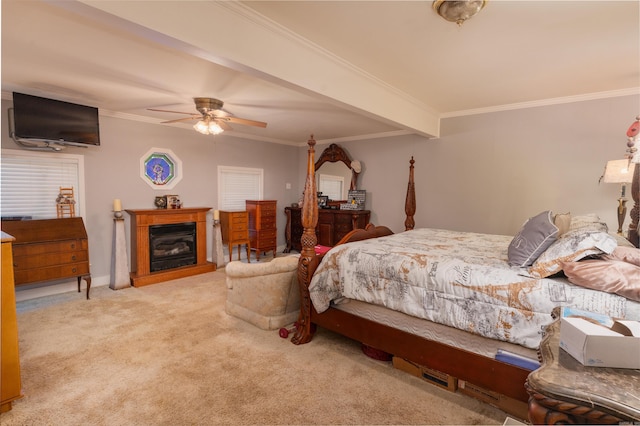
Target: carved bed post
308,260
632,154
635,211
410,201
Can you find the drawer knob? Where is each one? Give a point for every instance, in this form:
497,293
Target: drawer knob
73,257
74,270
73,245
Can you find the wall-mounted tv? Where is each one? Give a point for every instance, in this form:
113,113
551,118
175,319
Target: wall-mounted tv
36,118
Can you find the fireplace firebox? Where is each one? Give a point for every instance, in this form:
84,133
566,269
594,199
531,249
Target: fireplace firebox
172,246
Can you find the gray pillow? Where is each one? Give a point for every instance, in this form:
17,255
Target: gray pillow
536,235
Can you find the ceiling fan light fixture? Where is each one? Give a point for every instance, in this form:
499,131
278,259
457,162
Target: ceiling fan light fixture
458,11
208,127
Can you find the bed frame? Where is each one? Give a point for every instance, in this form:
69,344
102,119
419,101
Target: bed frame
496,376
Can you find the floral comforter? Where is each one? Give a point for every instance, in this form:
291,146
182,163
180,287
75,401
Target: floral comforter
459,279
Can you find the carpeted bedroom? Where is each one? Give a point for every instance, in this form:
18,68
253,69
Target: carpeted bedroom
169,354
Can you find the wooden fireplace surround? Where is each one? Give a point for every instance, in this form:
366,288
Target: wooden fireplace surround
141,220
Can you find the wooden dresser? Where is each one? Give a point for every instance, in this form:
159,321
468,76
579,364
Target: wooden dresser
10,384
262,226
49,249
235,231
332,225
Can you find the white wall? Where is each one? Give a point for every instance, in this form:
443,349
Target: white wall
490,172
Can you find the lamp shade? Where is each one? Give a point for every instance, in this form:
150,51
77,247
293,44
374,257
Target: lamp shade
618,171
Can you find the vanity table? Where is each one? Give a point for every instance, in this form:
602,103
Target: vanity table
333,224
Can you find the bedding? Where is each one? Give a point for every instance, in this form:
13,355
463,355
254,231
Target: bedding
611,276
459,279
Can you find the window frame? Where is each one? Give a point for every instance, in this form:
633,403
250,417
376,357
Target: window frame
223,202
79,191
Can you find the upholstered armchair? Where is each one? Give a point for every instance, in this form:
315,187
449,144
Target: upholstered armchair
264,294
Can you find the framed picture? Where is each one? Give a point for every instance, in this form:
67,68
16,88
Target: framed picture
173,202
160,202
357,197
323,200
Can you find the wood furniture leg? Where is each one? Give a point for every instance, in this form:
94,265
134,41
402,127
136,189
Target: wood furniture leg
287,231
87,278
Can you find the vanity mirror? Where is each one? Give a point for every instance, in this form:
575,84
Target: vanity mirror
336,173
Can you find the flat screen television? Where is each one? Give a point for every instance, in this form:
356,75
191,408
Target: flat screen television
43,119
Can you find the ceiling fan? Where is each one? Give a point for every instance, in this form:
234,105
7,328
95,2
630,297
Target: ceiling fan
212,119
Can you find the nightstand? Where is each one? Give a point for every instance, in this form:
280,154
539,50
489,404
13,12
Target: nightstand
563,391
235,231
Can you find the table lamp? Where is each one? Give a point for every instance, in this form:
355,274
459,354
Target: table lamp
620,171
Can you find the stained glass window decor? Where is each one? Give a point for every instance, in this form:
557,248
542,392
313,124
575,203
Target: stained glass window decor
160,168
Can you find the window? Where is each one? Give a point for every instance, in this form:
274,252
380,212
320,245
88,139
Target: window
238,184
331,186
30,183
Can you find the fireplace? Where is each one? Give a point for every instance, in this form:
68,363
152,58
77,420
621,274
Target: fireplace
172,246
167,244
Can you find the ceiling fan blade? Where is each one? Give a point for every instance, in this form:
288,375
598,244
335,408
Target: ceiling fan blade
172,112
177,120
223,124
244,121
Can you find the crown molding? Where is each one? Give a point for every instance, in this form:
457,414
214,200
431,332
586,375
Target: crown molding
545,102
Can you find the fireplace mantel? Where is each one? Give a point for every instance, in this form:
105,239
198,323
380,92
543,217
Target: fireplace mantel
141,220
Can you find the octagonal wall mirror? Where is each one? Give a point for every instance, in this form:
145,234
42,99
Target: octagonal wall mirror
336,173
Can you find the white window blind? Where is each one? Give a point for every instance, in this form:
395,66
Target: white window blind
238,184
331,186
30,183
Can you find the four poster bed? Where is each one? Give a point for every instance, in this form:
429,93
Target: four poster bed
489,304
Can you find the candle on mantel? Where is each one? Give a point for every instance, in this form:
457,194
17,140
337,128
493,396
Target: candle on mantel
117,205
216,215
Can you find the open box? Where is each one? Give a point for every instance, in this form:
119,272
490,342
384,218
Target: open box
595,345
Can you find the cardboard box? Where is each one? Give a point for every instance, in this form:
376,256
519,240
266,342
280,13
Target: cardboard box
595,345
435,377
511,406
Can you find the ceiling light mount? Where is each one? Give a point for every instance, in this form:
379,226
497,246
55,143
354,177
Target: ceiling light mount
458,11
204,105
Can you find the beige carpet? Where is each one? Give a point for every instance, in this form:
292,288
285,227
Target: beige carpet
168,354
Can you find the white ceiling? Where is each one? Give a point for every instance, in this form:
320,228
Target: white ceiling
342,70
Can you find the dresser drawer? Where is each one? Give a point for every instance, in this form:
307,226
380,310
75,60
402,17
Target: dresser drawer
238,218
267,233
266,242
49,259
236,234
51,273
49,247
268,222
268,210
